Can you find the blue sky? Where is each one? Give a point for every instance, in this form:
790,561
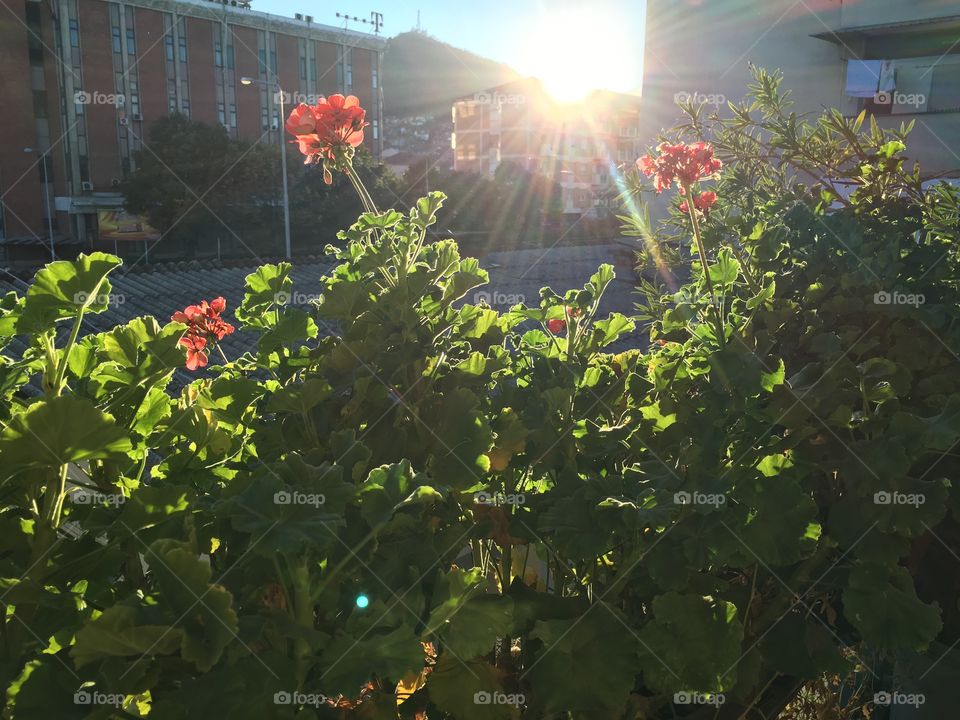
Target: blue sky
522,33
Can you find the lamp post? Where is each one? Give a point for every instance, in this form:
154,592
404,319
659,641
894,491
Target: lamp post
283,157
46,199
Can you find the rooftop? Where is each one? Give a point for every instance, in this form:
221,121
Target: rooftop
515,276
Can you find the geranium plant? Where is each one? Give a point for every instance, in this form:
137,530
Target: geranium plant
398,504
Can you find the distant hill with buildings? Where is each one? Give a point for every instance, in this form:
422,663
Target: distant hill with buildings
422,76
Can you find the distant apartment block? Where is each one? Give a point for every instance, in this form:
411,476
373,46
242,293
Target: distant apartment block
579,146
84,79
898,59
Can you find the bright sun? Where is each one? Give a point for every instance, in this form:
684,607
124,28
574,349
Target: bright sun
574,52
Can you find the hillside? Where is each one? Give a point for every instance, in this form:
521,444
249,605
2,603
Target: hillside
422,75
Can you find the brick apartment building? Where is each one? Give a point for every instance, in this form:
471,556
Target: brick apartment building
580,146
84,79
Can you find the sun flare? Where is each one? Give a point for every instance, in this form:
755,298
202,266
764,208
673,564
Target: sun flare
564,51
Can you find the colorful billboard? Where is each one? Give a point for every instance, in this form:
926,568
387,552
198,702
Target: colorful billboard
119,225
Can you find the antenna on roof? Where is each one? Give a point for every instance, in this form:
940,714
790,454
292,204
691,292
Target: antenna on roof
419,29
376,19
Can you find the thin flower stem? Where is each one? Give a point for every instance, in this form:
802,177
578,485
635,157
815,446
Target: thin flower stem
701,251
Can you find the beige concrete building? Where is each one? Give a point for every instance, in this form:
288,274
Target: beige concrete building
899,59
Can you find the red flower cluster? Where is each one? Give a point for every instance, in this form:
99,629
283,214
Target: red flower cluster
680,163
335,121
204,325
702,202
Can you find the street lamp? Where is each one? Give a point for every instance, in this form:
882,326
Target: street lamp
283,157
46,198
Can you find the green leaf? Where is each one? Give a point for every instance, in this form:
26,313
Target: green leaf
349,662
470,690
116,634
451,594
268,287
61,289
882,604
201,609
391,487
725,271
476,626
692,643
585,665
57,431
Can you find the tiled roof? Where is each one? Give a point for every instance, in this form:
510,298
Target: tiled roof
515,276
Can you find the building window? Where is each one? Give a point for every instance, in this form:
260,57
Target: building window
74,33
233,116
185,107
131,42
374,80
183,46
39,104
222,113
375,127
230,55
168,42
117,40
262,53
218,53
